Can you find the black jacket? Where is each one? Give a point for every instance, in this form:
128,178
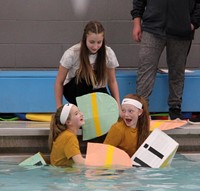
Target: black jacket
171,18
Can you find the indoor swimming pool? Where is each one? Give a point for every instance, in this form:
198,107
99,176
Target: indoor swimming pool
183,175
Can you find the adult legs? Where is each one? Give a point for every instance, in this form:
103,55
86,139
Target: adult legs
150,51
177,51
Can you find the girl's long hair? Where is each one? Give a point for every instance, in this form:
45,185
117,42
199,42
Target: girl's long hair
98,74
55,127
143,123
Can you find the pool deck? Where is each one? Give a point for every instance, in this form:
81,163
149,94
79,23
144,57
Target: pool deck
24,138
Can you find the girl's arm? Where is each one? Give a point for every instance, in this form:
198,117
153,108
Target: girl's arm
113,85
78,159
58,88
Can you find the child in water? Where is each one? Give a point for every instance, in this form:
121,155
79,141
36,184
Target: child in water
131,130
63,141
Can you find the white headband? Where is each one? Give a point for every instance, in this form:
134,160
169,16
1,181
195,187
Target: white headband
132,102
65,113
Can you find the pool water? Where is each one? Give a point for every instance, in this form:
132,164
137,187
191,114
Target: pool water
183,175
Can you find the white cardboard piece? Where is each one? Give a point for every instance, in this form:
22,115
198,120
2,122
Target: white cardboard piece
157,151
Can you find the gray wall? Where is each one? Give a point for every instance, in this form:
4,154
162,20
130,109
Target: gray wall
35,33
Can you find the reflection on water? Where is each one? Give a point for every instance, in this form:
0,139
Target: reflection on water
183,175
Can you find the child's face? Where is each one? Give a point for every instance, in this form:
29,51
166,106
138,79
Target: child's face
76,117
94,41
130,114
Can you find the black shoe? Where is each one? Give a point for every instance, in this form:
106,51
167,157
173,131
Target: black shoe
194,121
175,113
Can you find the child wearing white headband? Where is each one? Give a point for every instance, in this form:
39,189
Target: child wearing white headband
131,130
63,141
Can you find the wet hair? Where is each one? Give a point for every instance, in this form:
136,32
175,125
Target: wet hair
143,123
98,74
56,128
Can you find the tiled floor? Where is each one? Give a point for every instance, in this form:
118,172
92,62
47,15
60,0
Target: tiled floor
34,135
8,128
28,127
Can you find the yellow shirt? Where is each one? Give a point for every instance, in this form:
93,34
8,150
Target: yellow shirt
64,148
123,137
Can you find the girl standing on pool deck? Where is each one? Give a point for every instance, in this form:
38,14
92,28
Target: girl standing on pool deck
87,67
63,141
132,129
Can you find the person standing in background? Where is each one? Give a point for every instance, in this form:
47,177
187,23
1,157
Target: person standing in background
87,67
163,24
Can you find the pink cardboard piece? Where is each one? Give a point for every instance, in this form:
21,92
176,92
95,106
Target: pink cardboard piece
166,124
106,155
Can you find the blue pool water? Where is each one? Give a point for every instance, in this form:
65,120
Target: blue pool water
183,175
